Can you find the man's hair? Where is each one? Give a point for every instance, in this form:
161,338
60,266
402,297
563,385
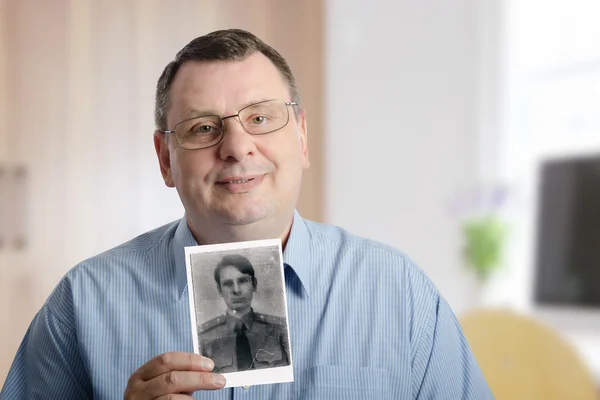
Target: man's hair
221,45
237,261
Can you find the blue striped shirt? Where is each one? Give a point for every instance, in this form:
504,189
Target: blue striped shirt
365,323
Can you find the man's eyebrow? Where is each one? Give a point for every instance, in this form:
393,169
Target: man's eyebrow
192,113
255,100
197,112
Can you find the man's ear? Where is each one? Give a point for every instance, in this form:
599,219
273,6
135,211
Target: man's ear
161,146
254,284
303,133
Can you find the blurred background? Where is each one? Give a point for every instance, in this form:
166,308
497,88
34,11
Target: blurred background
465,133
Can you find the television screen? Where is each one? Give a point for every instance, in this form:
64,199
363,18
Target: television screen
568,233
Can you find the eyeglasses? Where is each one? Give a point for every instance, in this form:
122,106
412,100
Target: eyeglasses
208,130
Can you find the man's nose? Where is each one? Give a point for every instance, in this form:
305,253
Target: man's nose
236,143
236,288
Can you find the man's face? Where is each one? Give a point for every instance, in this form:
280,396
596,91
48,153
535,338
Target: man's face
208,180
236,288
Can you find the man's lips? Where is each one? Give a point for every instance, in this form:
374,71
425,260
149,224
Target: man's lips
240,184
236,179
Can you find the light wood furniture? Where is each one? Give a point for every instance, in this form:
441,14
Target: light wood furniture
524,360
77,82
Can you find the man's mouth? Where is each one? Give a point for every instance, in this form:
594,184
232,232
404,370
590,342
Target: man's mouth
237,180
240,184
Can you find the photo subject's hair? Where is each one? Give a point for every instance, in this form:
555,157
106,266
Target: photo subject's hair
237,261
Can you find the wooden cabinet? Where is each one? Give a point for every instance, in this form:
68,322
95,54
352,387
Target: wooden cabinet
6,346
77,81
31,124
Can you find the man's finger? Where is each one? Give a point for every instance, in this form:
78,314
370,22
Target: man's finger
181,382
173,361
175,397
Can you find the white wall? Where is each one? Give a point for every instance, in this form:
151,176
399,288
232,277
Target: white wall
553,82
402,126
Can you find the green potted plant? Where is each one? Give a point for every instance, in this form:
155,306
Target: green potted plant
485,238
484,231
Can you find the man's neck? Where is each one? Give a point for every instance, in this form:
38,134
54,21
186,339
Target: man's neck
239,314
206,234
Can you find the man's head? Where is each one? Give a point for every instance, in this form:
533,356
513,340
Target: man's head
242,184
236,282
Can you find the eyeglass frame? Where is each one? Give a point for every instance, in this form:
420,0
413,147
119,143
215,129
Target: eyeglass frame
174,130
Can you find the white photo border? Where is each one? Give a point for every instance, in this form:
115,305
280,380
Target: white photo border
244,378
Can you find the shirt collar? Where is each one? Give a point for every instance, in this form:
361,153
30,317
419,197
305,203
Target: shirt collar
247,319
296,255
183,238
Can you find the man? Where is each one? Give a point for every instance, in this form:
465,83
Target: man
242,339
365,322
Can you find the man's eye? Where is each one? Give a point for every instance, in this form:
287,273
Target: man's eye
203,129
259,119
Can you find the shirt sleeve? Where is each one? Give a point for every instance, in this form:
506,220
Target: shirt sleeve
445,367
48,364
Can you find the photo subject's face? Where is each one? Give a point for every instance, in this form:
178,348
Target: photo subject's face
236,288
245,178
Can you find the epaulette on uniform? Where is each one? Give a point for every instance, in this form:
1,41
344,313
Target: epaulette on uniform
212,323
269,319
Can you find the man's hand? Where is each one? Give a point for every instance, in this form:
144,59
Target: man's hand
173,376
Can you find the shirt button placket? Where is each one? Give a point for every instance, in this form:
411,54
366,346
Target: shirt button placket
243,392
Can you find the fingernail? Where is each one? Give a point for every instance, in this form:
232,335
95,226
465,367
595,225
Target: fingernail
218,380
207,364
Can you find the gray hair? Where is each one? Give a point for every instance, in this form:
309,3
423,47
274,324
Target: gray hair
221,45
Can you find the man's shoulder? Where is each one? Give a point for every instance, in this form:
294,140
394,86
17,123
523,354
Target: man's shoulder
269,319
135,252
132,257
348,249
141,243
90,278
212,324
342,238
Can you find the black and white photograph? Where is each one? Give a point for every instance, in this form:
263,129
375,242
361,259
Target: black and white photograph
238,310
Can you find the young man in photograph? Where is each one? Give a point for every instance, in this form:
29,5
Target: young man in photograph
242,339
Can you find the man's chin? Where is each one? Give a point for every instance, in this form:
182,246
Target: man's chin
243,215
238,309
